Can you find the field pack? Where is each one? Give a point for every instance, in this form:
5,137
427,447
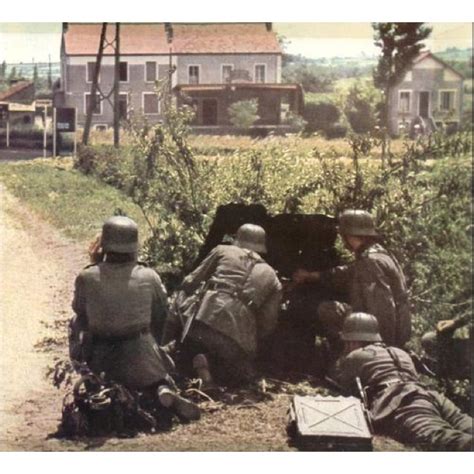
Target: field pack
318,423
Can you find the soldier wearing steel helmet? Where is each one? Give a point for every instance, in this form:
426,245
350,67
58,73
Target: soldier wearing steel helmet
374,282
400,406
121,305
226,306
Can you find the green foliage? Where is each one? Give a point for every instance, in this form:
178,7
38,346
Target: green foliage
243,114
311,77
321,116
420,197
360,106
295,120
72,202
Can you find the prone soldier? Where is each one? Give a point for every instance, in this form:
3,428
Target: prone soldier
400,406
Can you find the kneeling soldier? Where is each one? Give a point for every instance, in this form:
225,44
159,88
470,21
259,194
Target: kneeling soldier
227,306
121,305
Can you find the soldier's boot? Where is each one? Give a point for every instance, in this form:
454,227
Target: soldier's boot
184,409
201,366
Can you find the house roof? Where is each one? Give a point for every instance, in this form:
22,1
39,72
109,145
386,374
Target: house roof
82,39
428,54
224,38
18,87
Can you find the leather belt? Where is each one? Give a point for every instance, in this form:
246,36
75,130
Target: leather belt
100,338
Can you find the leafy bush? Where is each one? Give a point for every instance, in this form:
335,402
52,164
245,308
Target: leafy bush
422,206
360,106
338,130
243,114
321,116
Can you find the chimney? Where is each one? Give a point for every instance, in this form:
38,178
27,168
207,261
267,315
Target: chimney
268,26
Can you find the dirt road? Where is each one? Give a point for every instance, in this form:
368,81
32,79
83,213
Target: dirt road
37,270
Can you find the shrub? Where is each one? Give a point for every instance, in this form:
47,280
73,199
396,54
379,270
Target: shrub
243,114
320,116
337,130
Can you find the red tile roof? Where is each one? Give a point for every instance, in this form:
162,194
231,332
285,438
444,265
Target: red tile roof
223,38
18,87
188,38
428,54
83,39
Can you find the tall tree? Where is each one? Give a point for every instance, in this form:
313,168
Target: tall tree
12,73
3,70
35,75
400,43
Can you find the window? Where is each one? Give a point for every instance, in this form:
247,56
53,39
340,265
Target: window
227,72
90,71
404,99
193,74
97,106
446,100
123,106
260,72
150,103
150,71
123,71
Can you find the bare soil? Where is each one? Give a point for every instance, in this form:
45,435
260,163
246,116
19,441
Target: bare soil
37,270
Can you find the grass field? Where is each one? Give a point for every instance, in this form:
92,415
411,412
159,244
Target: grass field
74,203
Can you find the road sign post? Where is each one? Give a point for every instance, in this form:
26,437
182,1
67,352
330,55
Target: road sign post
66,121
5,118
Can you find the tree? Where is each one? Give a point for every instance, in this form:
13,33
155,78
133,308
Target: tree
12,73
243,114
3,70
35,75
400,43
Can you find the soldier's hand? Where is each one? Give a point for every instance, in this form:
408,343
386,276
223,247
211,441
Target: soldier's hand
445,325
301,276
96,254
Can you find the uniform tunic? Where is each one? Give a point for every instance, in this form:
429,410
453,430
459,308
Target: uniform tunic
238,306
400,406
376,285
119,304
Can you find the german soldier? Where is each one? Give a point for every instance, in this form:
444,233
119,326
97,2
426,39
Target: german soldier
121,305
400,405
451,356
374,281
226,306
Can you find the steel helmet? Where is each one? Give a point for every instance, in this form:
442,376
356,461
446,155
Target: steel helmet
120,235
361,327
252,237
357,222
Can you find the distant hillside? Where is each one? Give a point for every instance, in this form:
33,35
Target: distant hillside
26,69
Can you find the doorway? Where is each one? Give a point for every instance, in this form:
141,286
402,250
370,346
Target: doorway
209,112
424,104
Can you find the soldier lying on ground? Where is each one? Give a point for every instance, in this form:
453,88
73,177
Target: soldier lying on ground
120,306
401,407
375,283
450,356
225,307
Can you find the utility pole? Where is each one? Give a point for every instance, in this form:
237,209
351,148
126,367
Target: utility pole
117,87
94,87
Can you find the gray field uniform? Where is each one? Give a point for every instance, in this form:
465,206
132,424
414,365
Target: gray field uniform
123,307
238,307
376,285
400,406
452,352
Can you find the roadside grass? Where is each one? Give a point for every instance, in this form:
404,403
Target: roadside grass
74,203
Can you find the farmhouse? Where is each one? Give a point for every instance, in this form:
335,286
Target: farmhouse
208,66
429,95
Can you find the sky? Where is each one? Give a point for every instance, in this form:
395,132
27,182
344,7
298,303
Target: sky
22,40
